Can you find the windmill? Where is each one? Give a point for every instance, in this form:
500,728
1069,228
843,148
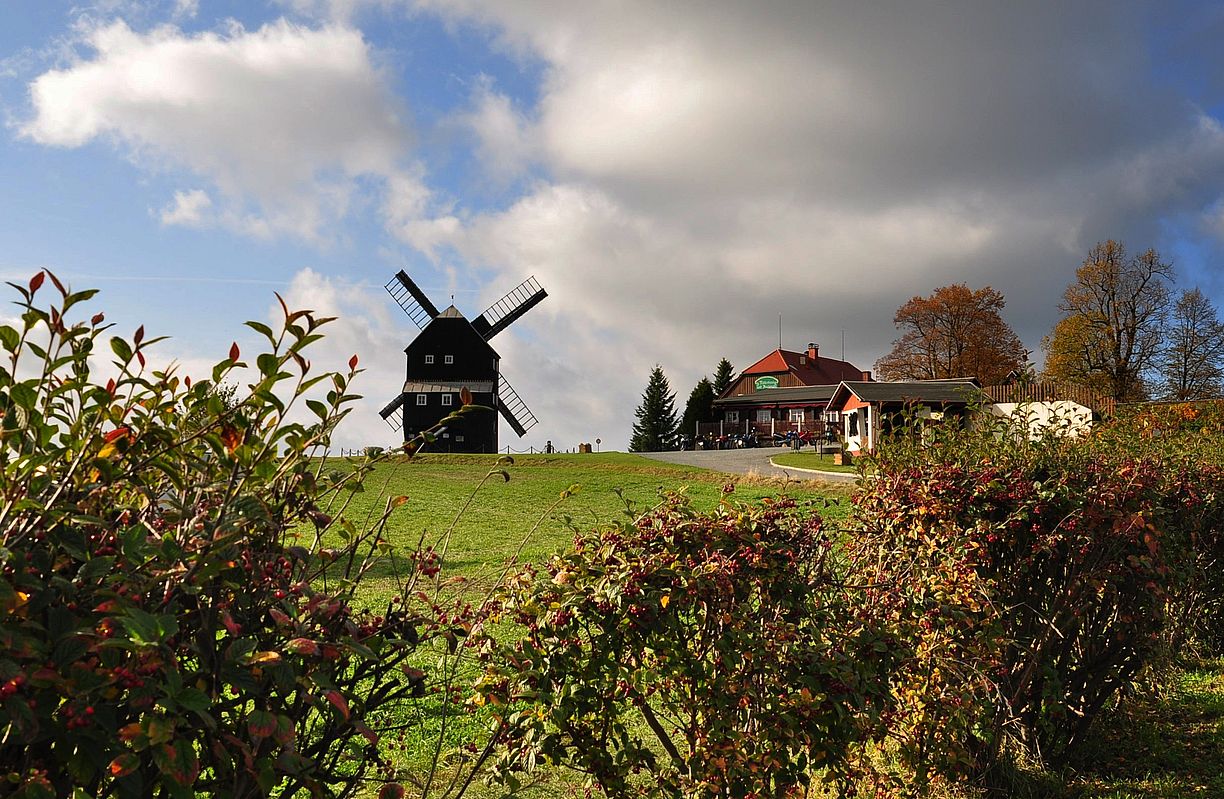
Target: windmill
451,354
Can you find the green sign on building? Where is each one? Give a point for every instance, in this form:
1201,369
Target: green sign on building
765,382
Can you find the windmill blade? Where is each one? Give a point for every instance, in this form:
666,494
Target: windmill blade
388,411
498,316
512,407
410,297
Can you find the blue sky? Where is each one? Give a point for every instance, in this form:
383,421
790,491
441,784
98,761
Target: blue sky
676,175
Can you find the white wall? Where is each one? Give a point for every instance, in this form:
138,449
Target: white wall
1067,417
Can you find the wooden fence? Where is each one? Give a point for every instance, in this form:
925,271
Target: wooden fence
1052,392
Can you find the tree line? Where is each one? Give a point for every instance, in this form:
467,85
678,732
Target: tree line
657,426
1124,332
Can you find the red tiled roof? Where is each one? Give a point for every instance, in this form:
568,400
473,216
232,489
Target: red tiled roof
816,371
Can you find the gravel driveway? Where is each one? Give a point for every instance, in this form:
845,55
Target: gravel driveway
745,461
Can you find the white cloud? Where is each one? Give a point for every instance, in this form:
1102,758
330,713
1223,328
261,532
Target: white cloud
367,325
281,120
506,143
190,209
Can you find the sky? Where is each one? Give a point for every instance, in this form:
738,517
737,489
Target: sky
679,176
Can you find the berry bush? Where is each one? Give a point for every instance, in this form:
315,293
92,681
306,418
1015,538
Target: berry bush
178,575
678,653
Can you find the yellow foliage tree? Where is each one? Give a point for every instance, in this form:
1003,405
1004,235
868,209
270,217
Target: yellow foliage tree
1109,336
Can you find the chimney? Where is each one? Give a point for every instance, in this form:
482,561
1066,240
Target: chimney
866,377
812,351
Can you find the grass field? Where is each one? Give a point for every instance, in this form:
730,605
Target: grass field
1150,747
492,517
811,460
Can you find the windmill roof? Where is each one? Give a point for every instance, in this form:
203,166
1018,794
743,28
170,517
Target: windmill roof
810,371
451,312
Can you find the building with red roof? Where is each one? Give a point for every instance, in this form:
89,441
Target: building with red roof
785,391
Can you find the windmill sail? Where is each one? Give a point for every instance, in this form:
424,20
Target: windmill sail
388,412
512,407
414,302
498,316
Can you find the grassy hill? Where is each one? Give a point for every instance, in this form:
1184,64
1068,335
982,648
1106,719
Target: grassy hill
489,515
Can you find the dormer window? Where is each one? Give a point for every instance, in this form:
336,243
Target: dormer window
422,399
429,359
448,358
448,399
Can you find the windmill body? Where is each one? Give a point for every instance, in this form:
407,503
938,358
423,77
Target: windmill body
451,354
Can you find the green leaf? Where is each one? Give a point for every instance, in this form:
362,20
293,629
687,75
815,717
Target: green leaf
262,328
10,337
142,627
193,699
121,348
267,363
23,395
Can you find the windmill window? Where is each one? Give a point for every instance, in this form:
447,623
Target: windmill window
448,399
448,358
429,359
422,399
459,439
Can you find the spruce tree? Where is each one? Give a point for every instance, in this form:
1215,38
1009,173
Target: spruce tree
656,416
699,408
722,376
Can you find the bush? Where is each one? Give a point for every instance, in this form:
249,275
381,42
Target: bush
1029,580
178,612
1184,443
687,654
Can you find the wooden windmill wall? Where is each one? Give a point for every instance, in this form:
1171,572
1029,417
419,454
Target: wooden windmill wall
452,354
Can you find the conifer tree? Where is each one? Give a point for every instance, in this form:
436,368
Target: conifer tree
722,376
699,408
656,416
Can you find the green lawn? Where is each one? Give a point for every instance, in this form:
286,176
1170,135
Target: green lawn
493,517
812,459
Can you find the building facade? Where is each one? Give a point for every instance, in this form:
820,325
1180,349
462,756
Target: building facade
786,391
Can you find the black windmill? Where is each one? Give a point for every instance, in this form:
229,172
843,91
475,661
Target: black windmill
452,354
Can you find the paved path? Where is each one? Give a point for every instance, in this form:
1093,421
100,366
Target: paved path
746,461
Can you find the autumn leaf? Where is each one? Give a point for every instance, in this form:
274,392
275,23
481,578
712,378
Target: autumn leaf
337,699
231,437
233,353
37,281
465,396
261,723
302,646
367,733
352,363
123,765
